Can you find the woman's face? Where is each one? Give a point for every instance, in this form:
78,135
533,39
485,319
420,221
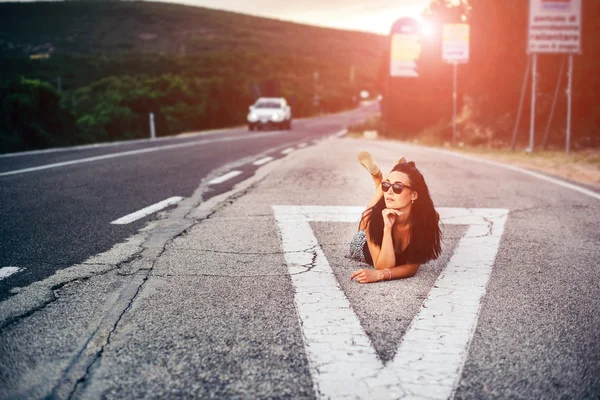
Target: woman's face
397,200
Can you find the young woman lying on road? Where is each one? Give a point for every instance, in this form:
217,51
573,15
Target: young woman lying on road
399,230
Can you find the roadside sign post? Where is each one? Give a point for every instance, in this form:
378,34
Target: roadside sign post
455,50
554,28
523,89
532,116
152,130
405,51
569,100
558,81
454,84
405,48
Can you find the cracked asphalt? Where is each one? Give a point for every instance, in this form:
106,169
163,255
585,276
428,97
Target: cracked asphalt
200,303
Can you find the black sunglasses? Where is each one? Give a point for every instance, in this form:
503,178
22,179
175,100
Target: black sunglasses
397,187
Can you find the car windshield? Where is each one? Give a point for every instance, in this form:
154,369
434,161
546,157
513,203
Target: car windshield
268,105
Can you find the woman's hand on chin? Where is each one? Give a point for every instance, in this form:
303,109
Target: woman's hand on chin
390,216
367,275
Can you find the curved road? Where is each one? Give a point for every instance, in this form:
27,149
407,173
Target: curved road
246,294
60,214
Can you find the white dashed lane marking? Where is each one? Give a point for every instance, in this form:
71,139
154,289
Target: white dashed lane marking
223,178
263,161
5,272
147,211
302,145
288,150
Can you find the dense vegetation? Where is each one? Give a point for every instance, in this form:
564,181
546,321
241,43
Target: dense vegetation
489,85
112,63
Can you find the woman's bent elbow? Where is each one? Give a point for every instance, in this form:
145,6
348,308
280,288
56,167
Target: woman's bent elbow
412,270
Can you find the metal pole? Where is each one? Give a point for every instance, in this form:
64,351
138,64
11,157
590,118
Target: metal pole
546,134
152,130
454,79
569,93
385,104
532,121
525,79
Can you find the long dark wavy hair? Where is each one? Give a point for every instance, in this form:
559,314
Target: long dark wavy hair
425,233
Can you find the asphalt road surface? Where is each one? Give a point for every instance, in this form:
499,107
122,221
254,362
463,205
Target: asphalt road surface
241,289
55,214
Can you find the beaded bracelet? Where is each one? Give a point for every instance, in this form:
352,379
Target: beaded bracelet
389,272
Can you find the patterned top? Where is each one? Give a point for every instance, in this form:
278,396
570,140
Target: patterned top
359,250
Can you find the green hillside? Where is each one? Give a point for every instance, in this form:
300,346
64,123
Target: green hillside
194,67
92,27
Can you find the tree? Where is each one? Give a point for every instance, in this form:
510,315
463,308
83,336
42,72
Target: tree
31,117
492,79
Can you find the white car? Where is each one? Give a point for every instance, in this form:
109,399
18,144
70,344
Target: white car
270,112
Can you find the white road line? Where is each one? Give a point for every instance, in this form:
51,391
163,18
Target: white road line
526,172
288,150
5,272
223,178
431,355
263,161
302,145
147,211
135,152
119,143
341,133
86,147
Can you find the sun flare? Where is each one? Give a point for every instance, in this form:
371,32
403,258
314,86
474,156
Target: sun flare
382,22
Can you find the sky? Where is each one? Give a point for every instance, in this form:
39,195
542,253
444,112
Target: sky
375,16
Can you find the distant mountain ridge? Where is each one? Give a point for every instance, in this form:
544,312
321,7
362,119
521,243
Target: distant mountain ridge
106,27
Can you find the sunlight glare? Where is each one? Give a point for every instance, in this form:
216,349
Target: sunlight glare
381,22
426,28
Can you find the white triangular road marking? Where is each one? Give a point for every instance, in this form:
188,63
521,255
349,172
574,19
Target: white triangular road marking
431,355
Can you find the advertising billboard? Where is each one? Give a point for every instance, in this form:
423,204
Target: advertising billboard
405,48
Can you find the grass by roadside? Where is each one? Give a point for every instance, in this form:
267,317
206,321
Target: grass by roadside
582,166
